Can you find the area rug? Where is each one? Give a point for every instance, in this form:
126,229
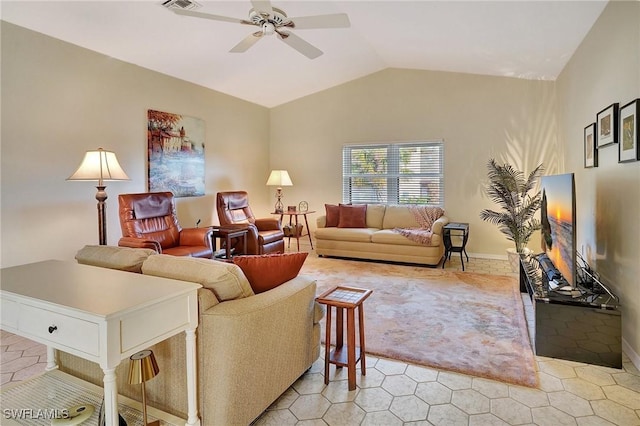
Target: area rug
464,322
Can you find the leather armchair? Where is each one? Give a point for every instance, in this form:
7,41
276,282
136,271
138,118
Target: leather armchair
149,220
265,236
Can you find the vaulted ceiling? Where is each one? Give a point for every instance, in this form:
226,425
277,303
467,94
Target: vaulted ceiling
522,39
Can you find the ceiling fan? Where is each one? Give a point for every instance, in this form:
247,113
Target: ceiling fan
271,21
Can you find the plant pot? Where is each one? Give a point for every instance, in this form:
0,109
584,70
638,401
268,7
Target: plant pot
514,260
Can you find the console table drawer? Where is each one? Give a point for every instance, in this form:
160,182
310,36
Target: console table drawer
59,329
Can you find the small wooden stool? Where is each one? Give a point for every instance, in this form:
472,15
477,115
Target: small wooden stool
345,298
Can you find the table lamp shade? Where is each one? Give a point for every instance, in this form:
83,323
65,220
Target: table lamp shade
279,178
99,165
143,367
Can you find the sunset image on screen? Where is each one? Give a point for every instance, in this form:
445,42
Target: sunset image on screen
557,222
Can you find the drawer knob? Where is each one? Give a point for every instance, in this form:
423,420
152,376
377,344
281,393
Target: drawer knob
52,328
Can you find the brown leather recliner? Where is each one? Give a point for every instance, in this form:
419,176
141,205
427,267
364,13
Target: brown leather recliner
265,235
149,220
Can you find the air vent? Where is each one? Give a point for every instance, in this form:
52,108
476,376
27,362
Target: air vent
181,4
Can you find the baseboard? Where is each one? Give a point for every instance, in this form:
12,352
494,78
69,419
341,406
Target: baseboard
633,355
488,256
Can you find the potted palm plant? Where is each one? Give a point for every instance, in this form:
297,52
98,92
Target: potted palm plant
512,192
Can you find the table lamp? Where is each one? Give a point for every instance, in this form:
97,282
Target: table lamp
100,165
143,368
279,178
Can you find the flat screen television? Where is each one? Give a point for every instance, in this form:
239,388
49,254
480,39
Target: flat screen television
558,220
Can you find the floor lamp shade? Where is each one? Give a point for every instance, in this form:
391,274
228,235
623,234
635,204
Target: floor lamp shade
100,166
279,178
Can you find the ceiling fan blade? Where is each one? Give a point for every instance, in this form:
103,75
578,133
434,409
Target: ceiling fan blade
247,42
209,16
262,6
335,20
300,45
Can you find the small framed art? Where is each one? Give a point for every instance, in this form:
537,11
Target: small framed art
607,125
628,149
590,151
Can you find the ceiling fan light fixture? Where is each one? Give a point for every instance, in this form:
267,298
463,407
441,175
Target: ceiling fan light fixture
268,28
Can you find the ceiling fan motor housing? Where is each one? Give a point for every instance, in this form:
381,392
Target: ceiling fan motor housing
269,21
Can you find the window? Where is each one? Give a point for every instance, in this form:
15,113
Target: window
399,173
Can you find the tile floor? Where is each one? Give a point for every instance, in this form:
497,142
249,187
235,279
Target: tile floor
395,393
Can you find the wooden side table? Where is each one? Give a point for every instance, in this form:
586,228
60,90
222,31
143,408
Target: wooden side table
295,214
345,298
227,234
458,229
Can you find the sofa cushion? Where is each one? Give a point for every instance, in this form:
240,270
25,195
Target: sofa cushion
345,234
112,257
226,280
388,236
353,216
268,271
332,214
399,217
375,215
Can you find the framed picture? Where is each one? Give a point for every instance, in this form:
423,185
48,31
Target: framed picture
175,147
590,151
629,128
607,126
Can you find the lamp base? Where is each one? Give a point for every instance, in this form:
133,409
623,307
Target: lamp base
154,423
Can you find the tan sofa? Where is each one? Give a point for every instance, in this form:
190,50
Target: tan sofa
250,347
378,241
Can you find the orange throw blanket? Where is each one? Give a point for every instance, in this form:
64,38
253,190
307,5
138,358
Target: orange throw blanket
425,216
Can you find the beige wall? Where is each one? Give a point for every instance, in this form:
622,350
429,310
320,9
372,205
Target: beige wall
606,69
478,117
59,100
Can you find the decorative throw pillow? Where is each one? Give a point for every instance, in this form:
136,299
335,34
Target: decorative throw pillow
268,271
333,215
353,216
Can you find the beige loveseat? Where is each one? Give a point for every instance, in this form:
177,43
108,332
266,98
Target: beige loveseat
250,348
378,240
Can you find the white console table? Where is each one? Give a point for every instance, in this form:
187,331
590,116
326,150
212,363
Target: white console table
101,315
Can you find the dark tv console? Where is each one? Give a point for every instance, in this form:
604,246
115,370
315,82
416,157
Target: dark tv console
583,324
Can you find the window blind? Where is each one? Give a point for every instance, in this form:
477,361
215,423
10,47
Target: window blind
398,173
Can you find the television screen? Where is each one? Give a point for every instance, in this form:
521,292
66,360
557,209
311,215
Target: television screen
558,219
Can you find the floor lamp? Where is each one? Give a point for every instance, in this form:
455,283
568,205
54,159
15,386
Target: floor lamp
100,165
142,369
279,178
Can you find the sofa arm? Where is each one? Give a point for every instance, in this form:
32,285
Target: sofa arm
321,221
133,242
195,237
437,226
267,340
268,224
